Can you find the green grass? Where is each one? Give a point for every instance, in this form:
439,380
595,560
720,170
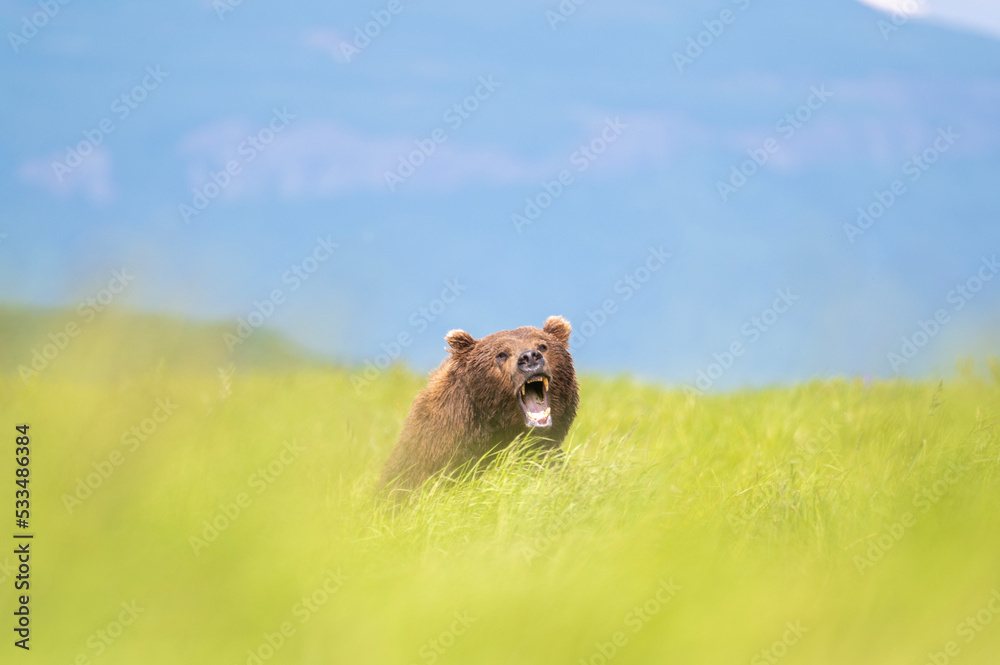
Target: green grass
746,511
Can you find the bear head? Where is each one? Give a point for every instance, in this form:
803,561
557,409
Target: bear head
519,379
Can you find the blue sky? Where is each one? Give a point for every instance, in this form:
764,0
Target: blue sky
644,109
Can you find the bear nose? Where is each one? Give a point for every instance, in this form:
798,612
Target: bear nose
530,361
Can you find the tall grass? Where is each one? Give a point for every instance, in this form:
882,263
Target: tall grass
679,529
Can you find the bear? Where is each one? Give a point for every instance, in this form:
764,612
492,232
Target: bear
485,394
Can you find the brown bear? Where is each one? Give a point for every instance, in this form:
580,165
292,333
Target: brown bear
485,394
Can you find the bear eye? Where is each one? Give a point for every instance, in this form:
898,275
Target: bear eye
502,357
543,348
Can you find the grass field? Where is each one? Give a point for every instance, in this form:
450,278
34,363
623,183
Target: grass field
831,522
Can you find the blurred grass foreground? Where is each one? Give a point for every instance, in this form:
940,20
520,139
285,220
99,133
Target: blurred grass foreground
196,507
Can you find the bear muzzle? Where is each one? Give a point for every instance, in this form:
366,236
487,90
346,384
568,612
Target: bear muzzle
533,397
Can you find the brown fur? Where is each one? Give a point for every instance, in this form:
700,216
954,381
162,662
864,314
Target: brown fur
469,408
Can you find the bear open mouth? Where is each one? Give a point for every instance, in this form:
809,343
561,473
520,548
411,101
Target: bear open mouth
534,400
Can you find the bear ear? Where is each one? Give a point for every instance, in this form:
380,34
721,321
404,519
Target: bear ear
459,340
558,327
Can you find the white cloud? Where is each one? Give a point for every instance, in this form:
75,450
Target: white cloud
327,41
91,178
981,16
877,120
908,7
319,159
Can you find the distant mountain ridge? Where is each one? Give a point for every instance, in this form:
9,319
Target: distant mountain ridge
35,340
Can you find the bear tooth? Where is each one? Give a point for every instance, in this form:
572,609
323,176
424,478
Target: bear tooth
545,384
522,388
